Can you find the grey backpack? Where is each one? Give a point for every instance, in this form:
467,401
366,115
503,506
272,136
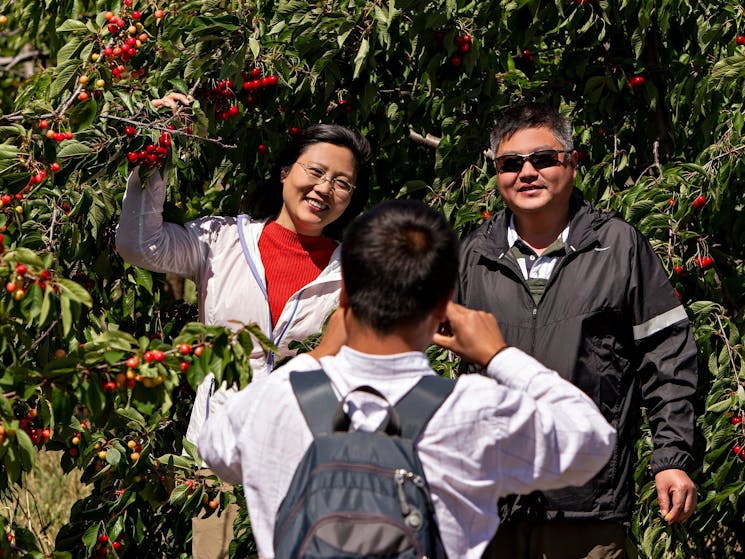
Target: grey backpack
360,494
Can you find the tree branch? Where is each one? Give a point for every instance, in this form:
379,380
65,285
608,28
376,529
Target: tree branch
429,140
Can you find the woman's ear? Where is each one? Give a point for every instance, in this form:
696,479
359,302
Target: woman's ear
283,172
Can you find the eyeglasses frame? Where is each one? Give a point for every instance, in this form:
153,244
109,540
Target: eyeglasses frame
325,178
527,157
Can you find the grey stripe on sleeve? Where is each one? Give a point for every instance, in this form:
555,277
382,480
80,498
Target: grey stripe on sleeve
659,322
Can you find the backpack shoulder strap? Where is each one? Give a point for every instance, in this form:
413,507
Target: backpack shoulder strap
418,406
316,398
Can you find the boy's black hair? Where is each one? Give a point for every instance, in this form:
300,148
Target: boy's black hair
399,261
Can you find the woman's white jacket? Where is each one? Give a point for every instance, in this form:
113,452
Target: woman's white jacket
221,255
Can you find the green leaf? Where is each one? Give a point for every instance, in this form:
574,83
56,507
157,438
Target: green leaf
64,302
179,494
133,417
90,537
361,57
46,305
113,456
73,148
143,278
255,46
22,255
75,291
71,25
719,407
68,51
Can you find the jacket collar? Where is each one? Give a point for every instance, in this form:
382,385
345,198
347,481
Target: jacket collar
584,222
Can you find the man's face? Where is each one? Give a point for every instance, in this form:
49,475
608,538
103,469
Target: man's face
533,193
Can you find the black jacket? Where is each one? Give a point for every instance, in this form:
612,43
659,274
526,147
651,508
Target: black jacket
609,322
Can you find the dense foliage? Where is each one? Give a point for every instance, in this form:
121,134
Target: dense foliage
99,358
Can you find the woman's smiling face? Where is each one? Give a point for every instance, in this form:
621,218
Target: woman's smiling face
309,205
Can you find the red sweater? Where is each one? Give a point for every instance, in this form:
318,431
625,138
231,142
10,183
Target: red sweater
291,261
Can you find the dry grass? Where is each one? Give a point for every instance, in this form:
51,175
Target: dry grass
43,506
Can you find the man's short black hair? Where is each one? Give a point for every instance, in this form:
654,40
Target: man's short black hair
399,261
527,114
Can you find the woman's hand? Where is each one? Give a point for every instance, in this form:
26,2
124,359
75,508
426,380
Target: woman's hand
174,101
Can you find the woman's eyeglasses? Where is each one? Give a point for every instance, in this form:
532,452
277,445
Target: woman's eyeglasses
541,159
338,184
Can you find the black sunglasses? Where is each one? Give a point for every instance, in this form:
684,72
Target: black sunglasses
541,159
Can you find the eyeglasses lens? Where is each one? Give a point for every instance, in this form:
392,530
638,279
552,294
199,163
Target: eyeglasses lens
538,159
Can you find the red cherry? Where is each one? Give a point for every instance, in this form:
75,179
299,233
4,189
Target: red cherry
707,262
149,357
255,73
740,40
699,202
294,130
455,61
183,366
11,286
83,96
116,545
45,275
136,15
158,355
679,270
736,420
184,349
263,149
113,29
103,538
234,110
636,82
21,269
55,167
198,350
486,214
133,156
43,124
737,449
465,47
159,14
272,79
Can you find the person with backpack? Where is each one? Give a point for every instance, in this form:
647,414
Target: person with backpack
456,447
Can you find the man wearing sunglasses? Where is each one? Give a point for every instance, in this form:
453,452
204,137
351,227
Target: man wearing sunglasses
584,293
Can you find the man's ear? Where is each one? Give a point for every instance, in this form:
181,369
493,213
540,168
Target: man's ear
441,310
343,299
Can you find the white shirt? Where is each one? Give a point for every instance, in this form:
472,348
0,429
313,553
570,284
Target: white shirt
529,430
543,266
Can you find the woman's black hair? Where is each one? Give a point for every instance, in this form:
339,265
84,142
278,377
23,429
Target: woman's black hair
269,200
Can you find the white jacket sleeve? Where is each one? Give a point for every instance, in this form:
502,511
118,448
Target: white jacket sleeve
144,240
558,429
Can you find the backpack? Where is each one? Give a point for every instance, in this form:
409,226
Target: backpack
355,493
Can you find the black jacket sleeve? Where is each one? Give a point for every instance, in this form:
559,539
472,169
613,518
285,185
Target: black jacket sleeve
667,364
